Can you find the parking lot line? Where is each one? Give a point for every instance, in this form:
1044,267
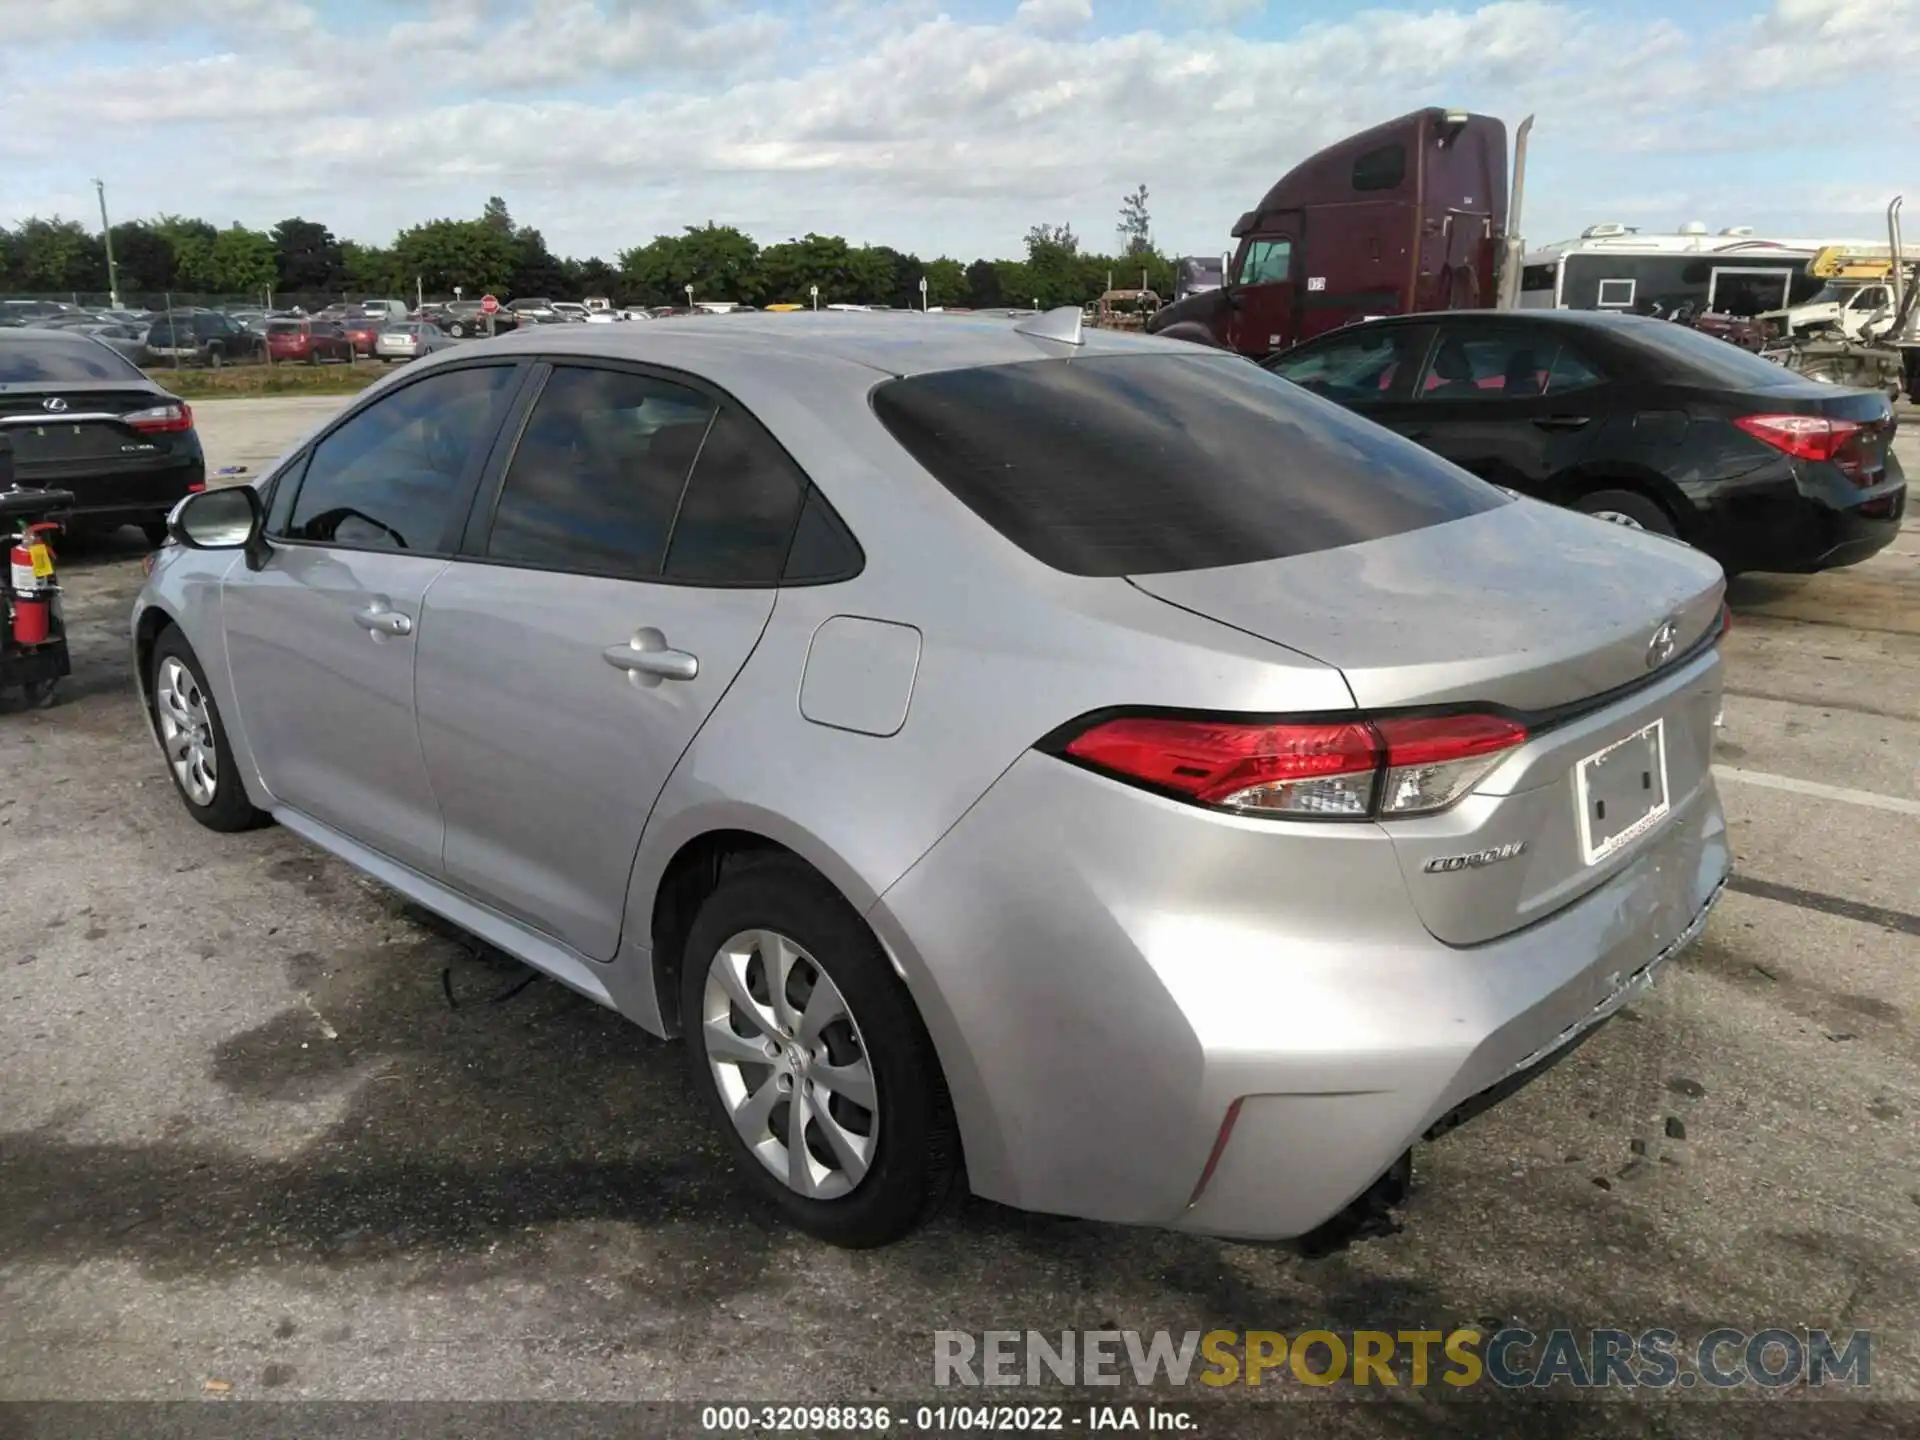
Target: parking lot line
1868,798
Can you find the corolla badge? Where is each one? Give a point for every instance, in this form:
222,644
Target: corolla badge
1479,859
1664,642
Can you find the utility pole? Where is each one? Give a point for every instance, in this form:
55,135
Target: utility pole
106,234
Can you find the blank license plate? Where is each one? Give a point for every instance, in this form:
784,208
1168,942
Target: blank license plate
1622,791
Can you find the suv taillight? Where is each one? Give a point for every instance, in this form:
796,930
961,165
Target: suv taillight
1359,769
165,419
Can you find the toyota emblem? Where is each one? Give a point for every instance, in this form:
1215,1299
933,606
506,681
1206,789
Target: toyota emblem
1661,647
56,404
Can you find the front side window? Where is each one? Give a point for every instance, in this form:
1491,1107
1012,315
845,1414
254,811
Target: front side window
1376,364
1471,364
1267,262
392,477
598,474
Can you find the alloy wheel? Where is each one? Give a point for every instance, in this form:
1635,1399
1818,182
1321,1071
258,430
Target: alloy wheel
790,1064
1614,517
186,731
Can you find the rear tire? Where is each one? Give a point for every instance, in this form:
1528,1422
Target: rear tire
1629,509
190,727
216,357
901,1133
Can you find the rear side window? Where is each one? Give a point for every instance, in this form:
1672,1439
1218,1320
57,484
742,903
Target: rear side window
1144,464
598,474
1571,372
1470,364
737,518
1685,355
52,359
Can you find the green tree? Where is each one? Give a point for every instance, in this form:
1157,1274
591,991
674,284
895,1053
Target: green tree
1136,226
306,255
496,216
371,270
1054,273
983,286
144,258
720,262
442,254
789,270
58,255
241,262
536,272
874,273
946,282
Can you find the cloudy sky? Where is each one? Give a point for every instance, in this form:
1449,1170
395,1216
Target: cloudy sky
935,127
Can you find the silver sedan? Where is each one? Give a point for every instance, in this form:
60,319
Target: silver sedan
410,341
1079,766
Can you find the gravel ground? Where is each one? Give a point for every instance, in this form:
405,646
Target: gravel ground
248,1147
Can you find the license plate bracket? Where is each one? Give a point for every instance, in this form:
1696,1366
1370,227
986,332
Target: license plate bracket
1622,792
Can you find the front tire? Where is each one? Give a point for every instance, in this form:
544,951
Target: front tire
1629,509
194,739
812,1059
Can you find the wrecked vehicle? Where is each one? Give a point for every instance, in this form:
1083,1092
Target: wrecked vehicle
1124,310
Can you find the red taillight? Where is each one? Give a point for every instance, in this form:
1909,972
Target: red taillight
1726,621
166,419
1805,437
1346,769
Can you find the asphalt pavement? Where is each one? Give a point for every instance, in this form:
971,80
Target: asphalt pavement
266,1131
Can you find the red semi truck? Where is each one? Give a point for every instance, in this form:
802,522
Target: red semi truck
1410,215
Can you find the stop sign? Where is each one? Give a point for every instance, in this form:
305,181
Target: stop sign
488,304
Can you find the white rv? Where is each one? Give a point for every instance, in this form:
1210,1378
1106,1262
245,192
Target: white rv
1618,267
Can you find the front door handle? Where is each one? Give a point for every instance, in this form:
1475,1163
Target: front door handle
662,664
383,622
1561,422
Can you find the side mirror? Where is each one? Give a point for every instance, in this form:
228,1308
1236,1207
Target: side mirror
230,518
6,462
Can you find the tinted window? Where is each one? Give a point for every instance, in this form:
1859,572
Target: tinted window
1571,372
46,357
599,472
822,548
1118,465
737,518
1538,277
1381,169
1471,364
1693,358
1371,364
390,478
1266,262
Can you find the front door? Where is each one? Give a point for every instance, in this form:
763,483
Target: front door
1513,405
596,618
322,638
1265,294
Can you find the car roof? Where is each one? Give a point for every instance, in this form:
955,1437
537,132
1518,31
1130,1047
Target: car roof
894,343
1611,320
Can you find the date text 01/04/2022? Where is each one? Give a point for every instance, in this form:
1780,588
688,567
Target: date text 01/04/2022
974,1419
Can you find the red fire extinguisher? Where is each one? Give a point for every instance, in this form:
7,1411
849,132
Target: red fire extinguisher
31,562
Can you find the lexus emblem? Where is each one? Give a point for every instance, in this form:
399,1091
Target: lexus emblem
56,404
1661,647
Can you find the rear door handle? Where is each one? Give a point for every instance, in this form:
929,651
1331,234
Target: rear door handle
663,664
383,622
1561,422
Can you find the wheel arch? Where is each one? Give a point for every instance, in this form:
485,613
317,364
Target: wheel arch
1642,480
154,619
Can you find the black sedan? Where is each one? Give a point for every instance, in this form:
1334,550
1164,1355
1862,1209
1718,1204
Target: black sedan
84,419
1637,421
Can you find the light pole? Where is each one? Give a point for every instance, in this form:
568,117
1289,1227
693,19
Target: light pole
106,234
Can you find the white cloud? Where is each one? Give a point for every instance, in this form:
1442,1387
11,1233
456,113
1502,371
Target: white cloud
604,123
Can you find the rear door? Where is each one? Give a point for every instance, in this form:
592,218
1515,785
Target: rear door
614,580
1509,402
321,641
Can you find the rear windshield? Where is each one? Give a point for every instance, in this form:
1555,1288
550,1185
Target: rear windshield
1698,359
1143,464
286,327
53,359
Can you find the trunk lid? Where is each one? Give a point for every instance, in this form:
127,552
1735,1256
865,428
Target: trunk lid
60,429
1527,609
1526,606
